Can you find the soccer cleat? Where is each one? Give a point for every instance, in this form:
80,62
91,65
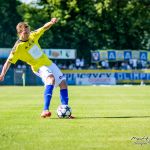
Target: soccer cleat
45,114
71,117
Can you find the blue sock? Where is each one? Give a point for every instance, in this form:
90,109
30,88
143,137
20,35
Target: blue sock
64,96
47,96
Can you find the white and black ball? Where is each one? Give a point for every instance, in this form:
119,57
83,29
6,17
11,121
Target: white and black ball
64,111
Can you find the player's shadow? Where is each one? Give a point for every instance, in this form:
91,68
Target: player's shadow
113,117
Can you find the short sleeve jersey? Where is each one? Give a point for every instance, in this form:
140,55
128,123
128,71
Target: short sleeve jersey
30,51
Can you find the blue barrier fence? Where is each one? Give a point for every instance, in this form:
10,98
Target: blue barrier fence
15,76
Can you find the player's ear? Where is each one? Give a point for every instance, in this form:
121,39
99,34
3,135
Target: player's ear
18,34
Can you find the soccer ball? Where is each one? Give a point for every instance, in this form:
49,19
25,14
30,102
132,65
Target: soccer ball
64,111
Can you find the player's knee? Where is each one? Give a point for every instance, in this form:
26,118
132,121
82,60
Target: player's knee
50,79
63,84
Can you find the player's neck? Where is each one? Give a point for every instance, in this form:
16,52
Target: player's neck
24,38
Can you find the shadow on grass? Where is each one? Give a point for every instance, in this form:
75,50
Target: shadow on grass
113,117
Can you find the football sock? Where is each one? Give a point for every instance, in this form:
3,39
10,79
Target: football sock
64,96
47,96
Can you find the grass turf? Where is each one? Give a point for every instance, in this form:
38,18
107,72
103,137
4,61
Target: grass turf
107,117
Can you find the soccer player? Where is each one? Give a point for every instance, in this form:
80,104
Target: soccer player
27,49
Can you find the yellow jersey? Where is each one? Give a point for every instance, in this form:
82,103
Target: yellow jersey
30,51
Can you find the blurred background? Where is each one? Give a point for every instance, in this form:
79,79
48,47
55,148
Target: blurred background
94,42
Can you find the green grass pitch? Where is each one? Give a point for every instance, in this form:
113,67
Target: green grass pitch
107,117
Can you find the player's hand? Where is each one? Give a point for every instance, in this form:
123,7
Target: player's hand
1,77
54,20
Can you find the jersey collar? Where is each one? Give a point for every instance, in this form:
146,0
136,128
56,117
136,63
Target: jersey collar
23,41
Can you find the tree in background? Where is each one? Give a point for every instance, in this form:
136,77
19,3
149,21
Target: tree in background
83,24
131,30
9,18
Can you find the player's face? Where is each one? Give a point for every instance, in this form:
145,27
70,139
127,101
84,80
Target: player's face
24,33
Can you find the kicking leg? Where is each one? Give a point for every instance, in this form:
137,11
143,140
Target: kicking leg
64,94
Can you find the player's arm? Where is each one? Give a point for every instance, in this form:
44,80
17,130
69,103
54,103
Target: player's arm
39,32
13,57
50,23
4,70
